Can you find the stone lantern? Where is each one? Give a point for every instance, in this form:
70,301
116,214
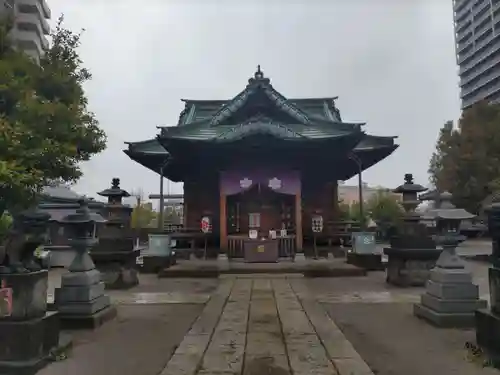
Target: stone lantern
116,208
412,252
81,301
116,254
28,333
488,320
451,298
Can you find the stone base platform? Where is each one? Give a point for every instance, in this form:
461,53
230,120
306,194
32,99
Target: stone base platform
370,262
443,320
27,346
91,321
306,267
487,333
154,264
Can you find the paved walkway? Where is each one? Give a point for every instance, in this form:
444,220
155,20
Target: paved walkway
259,326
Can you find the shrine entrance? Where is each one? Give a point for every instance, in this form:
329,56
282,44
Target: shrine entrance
263,204
262,209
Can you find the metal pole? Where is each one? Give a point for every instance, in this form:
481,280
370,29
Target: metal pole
361,202
162,201
357,160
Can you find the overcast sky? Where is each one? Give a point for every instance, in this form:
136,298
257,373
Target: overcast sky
391,63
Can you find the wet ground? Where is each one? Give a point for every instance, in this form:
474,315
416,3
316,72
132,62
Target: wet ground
279,325
140,340
378,321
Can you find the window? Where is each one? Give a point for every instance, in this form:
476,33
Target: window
254,220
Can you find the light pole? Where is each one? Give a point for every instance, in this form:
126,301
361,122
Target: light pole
358,163
162,199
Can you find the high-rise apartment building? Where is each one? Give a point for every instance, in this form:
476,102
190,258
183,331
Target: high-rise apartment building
477,40
31,24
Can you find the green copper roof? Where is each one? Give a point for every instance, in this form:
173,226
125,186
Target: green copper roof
203,110
260,109
152,147
257,110
216,111
259,124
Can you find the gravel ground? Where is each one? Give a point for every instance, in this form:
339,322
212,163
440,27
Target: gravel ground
140,341
393,342
378,320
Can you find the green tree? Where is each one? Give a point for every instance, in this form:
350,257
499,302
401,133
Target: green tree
46,129
467,159
5,223
344,210
384,207
143,215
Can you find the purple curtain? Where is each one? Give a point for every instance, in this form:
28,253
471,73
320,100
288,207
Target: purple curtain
282,181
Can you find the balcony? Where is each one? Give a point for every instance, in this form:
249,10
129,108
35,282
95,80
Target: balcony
480,96
478,10
28,40
483,81
461,47
464,28
31,22
493,63
464,36
476,53
41,5
460,5
464,12
34,10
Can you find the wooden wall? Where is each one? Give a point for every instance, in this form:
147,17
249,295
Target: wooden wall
201,198
319,197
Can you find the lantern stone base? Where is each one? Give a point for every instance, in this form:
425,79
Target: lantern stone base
156,263
27,346
370,262
487,333
81,301
450,300
409,267
118,268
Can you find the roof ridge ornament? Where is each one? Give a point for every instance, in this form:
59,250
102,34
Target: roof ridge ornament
258,77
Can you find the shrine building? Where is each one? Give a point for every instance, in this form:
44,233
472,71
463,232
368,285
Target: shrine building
261,161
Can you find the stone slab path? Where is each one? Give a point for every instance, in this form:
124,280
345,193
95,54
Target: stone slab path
264,327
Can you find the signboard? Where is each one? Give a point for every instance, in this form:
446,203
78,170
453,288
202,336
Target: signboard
206,227
317,224
261,248
5,300
363,243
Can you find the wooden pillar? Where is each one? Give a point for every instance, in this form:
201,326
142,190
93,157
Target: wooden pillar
187,198
335,201
184,214
223,221
298,220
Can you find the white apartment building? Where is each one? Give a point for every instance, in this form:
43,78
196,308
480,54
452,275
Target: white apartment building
31,25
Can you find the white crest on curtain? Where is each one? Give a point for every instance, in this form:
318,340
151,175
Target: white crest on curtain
245,183
275,183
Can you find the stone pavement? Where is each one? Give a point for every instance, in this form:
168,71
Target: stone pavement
255,326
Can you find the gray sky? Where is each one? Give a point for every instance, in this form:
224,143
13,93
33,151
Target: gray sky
391,63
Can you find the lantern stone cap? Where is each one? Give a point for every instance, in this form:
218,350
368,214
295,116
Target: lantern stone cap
115,190
82,215
409,186
447,210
